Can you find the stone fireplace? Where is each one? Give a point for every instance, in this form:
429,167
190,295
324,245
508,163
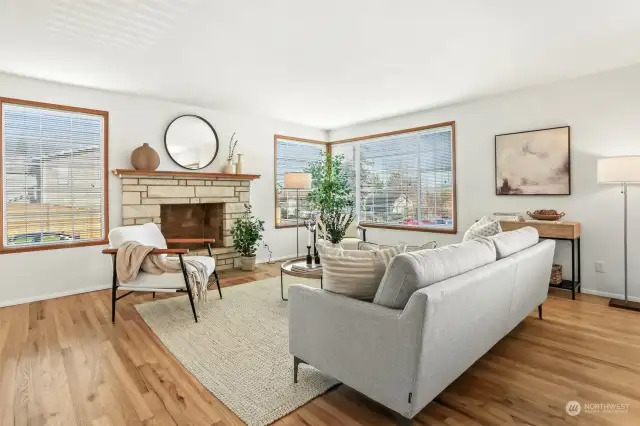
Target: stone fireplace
187,205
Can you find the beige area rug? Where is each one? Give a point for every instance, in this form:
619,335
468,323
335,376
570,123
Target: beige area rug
239,349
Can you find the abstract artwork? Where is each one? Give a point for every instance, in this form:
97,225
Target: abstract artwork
535,162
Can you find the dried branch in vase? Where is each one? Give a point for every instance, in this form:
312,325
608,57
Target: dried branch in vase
232,147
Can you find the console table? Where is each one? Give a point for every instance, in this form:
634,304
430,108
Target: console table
560,231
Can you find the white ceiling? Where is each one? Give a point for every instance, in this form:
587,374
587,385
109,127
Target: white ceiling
326,63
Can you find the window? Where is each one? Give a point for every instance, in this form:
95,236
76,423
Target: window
293,155
54,176
404,179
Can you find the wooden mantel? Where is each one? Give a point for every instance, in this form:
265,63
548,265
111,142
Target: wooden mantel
203,175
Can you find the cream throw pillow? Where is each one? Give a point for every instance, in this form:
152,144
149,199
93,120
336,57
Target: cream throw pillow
355,273
485,227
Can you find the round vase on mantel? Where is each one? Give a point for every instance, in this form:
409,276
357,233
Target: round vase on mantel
239,166
145,158
248,263
229,169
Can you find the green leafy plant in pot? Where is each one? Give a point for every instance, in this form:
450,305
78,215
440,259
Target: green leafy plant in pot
332,195
246,233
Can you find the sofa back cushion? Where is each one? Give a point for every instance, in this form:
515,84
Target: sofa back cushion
409,272
355,273
508,243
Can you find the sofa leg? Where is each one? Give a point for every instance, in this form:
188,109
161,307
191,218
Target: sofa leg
540,311
296,362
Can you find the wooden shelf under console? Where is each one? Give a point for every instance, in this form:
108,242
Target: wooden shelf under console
202,175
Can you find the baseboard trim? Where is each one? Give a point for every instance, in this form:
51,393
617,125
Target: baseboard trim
277,259
40,297
610,295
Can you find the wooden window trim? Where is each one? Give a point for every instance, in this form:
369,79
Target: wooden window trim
104,240
453,172
275,174
329,145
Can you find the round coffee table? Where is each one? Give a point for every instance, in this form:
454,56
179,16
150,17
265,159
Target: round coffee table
286,269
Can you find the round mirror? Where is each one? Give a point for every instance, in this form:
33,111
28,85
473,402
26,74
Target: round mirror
191,142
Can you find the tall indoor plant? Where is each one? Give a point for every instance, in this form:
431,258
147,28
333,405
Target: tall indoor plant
246,233
332,195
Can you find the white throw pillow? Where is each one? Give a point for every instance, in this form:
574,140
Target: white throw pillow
485,227
355,273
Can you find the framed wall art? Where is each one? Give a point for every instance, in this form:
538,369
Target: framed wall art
535,162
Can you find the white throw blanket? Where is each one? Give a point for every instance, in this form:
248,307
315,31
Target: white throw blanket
133,256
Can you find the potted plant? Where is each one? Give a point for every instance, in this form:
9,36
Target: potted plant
246,233
332,195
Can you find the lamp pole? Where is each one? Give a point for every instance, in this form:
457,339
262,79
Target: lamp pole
298,224
626,293
623,170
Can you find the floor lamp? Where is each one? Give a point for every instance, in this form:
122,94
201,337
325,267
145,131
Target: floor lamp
621,170
297,181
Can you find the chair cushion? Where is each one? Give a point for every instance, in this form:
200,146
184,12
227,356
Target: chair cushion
208,262
508,243
354,273
412,271
167,281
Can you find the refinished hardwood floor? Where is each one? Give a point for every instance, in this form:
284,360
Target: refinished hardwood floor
62,362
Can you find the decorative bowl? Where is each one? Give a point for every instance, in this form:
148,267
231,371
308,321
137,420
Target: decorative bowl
550,215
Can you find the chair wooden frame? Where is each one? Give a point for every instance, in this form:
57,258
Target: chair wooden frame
180,252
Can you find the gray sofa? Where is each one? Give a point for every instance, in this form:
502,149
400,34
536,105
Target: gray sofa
435,313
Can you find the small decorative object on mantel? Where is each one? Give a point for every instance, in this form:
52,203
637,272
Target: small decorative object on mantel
145,158
246,233
239,166
230,167
545,215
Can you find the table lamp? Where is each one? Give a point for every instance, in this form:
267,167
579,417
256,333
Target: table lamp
297,181
621,170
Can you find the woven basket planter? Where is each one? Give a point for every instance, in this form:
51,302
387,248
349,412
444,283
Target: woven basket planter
556,275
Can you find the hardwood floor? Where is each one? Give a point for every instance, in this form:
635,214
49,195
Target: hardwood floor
62,362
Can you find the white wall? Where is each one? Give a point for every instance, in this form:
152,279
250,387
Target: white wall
132,121
604,114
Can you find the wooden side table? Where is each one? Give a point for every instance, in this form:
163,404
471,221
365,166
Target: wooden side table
559,231
285,269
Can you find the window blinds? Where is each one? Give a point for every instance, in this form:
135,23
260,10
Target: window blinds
404,179
53,176
293,156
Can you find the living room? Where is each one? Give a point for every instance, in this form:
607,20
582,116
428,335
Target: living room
420,118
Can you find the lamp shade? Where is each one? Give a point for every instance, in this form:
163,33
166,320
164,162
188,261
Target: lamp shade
619,169
297,180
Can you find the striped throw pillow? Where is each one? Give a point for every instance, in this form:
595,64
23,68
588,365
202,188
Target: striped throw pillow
355,273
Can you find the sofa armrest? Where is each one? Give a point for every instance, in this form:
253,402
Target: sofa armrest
369,347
